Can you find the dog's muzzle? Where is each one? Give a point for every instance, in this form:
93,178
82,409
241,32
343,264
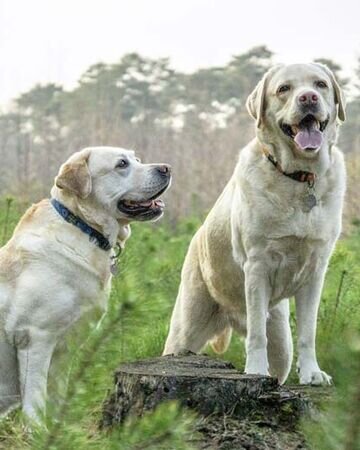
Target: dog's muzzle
308,133
151,207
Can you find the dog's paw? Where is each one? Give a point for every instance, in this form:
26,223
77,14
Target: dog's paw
263,373
315,378
257,364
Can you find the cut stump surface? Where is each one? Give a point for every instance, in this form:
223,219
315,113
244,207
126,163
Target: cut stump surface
212,388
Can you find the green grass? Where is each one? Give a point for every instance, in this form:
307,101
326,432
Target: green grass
135,327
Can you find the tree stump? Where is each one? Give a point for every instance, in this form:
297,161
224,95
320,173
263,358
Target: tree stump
236,410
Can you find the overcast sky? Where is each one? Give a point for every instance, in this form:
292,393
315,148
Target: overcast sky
56,40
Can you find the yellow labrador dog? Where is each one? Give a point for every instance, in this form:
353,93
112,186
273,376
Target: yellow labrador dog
271,233
57,265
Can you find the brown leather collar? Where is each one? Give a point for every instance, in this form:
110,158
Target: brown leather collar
299,175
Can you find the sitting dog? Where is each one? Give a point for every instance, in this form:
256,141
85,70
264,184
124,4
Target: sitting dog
57,265
271,233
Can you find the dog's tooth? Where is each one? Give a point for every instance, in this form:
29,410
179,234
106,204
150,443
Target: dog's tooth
145,203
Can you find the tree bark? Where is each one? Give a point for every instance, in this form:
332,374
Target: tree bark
213,388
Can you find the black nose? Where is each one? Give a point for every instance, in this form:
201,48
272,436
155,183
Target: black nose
164,170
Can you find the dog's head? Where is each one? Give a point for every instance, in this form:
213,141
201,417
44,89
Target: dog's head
298,105
112,181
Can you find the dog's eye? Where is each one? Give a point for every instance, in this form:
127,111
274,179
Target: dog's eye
122,164
283,88
321,84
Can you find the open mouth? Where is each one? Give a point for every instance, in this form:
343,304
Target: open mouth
144,209
308,133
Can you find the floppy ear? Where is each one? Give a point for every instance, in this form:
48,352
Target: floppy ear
255,103
339,96
74,175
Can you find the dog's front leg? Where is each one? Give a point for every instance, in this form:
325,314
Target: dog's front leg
34,350
307,301
257,291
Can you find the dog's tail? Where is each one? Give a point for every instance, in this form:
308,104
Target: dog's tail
221,341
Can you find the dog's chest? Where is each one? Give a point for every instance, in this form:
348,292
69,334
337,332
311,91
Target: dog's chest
290,262
93,283
291,244
86,276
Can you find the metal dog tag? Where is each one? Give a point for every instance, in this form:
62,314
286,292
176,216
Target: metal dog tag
114,269
114,260
309,200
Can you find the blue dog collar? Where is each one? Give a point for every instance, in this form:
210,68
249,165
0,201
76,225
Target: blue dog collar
94,236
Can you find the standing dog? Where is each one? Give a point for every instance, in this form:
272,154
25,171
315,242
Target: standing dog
57,265
271,233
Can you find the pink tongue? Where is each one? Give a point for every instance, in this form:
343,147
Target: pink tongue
309,138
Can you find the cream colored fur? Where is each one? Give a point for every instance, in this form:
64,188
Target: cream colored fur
257,247
51,275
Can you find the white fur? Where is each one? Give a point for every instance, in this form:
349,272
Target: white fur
51,275
257,247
